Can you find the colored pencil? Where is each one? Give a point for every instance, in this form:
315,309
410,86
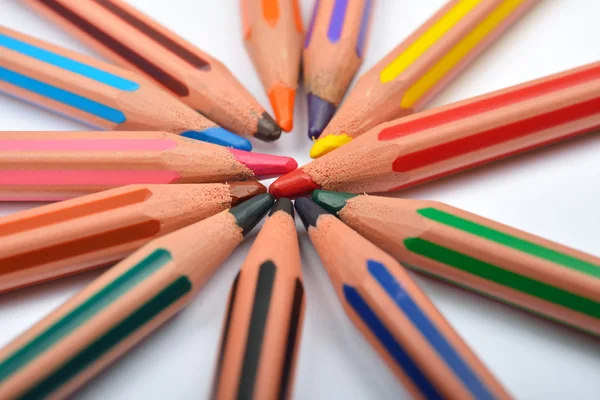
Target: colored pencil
116,311
128,37
263,325
333,52
420,67
273,36
453,138
97,93
51,166
76,235
476,253
395,316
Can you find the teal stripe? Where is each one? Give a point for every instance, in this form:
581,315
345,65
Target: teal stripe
68,64
169,295
84,312
514,242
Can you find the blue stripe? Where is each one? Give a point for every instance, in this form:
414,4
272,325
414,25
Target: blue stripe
364,28
62,96
311,26
389,343
68,64
452,358
336,24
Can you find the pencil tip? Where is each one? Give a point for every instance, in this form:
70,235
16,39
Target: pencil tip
294,184
283,204
333,202
242,191
220,136
320,112
250,212
267,129
308,211
327,144
282,100
265,166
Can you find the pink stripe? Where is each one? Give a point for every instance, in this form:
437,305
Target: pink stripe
87,145
85,178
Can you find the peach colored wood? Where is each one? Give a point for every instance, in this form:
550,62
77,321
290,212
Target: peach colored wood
277,243
213,90
329,67
192,255
147,108
372,102
345,255
388,222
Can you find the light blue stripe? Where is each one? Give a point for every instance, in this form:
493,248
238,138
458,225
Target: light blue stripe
76,67
62,96
452,358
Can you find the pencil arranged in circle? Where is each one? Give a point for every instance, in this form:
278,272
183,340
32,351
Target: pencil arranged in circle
476,253
273,36
97,93
263,325
76,235
115,312
453,138
420,67
51,166
333,52
132,39
395,316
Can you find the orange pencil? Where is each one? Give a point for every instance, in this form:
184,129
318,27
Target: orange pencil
78,340
476,253
395,316
420,67
76,235
97,93
456,137
263,325
273,37
132,39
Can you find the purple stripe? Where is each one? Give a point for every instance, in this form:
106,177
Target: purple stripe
337,20
364,28
312,23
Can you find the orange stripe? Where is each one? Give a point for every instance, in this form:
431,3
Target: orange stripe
297,16
246,26
271,11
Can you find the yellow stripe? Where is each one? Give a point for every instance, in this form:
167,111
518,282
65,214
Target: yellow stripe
462,49
428,39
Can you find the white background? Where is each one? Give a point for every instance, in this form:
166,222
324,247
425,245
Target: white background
553,193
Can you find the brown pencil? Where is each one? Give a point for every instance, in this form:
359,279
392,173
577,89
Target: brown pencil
273,36
76,235
127,303
127,36
263,325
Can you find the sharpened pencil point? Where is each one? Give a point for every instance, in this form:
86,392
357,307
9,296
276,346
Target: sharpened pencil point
331,201
283,204
309,211
320,112
220,136
327,144
265,166
282,100
267,129
294,184
250,212
242,191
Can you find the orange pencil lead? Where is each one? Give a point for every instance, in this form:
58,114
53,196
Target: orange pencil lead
282,100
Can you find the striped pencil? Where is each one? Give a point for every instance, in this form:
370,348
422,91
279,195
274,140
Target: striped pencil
273,37
463,135
333,51
51,166
98,93
87,333
420,67
482,255
132,39
263,325
395,316
76,235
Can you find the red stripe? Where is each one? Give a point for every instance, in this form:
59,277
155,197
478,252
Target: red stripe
490,103
496,136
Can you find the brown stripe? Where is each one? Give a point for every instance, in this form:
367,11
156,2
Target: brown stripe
290,349
158,74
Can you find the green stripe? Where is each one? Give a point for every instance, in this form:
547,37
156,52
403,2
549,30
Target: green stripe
511,241
503,277
169,295
84,312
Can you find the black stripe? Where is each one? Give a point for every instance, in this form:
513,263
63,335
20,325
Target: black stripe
294,327
256,331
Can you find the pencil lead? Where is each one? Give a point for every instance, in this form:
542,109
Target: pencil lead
331,201
320,112
293,184
250,212
282,100
267,129
283,204
309,211
327,144
265,166
220,136
242,191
